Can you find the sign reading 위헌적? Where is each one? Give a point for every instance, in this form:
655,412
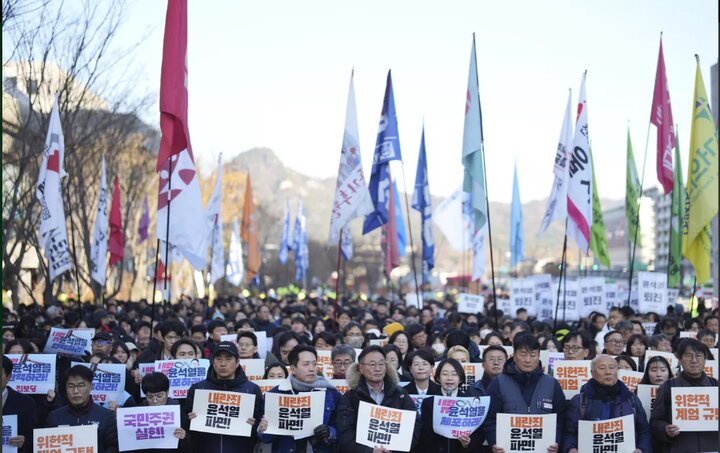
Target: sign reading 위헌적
147,427
182,374
615,434
454,417
522,433
73,342
630,378
695,408
222,412
572,374
66,439
32,374
294,415
9,429
385,427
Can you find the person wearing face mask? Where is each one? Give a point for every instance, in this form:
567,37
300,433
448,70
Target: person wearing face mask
604,397
420,362
353,335
450,375
437,345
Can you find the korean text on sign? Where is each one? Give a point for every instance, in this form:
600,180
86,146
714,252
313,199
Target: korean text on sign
74,342
695,408
32,373
147,427
66,439
222,412
614,435
383,426
9,429
294,415
525,433
572,374
455,417
182,374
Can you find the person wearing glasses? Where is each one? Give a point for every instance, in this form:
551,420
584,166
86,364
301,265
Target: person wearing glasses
420,362
15,403
691,355
576,346
614,343
342,356
523,388
81,410
493,361
372,381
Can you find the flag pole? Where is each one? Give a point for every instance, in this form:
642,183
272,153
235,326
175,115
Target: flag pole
562,271
152,296
167,235
337,284
77,274
412,246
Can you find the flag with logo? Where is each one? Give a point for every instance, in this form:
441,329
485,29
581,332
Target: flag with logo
579,201
284,241
234,270
116,243
598,238
632,194
98,248
213,216
677,214
702,183
53,231
387,148
249,232
423,204
661,117
517,236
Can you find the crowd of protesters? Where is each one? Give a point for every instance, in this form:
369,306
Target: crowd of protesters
132,333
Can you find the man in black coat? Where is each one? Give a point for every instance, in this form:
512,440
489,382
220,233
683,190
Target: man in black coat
15,403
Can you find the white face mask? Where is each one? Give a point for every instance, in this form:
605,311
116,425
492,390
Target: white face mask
356,342
439,348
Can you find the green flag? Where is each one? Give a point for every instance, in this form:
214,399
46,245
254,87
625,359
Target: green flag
677,215
598,239
632,194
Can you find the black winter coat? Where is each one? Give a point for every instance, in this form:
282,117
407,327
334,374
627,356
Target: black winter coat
91,414
27,417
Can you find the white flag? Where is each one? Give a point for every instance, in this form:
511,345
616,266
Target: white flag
579,200
98,249
449,217
213,214
352,197
53,231
478,246
188,230
557,203
235,270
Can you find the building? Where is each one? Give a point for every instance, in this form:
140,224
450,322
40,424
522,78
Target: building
620,245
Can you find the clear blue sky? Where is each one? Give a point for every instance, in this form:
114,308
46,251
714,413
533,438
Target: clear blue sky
276,74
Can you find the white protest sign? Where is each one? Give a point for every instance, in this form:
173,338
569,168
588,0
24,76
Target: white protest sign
611,296
254,368
647,393
548,358
652,292
221,412
633,294
455,417
669,356
66,439
522,433
567,309
340,384
592,296
688,334
267,384
543,296
32,374
324,363
385,427
473,373
418,400
505,306
9,429
413,300
294,415
630,378
262,341
672,296
147,427
572,374
108,382
144,369
470,303
695,408
615,434
522,295
73,342
182,374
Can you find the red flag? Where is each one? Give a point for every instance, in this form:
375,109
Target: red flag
661,117
249,233
390,237
173,85
116,243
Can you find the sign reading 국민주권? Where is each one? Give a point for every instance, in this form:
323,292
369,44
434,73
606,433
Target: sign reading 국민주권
147,427
32,374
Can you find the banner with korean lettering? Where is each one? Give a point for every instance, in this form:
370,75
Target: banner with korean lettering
108,382
9,429
66,439
572,374
647,393
74,342
630,378
470,303
473,373
522,295
418,400
146,427
262,341
652,292
455,417
324,364
695,408
544,298
592,296
294,415
523,433
569,300
669,356
32,374
223,412
548,359
254,368
182,374
340,384
615,434
380,426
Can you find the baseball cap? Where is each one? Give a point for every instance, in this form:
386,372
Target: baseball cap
228,347
102,336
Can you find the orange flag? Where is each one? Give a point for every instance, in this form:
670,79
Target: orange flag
249,233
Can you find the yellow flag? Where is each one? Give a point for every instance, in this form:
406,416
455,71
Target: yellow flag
702,183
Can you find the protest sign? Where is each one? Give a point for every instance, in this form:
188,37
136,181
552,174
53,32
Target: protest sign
669,356
672,296
9,429
522,433
377,342
615,434
543,296
262,339
267,384
108,382
384,426
572,374
470,303
294,415
145,368
66,439
147,427
223,412
652,292
473,373
461,416
695,408
504,305
592,296
32,374
73,342
548,359
649,328
568,303
182,374
630,378
611,296
522,295
254,368
413,300
324,363
647,393
418,400
340,384
688,334
624,293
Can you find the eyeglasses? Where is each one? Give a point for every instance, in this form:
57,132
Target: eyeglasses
690,356
78,387
342,363
374,364
615,341
570,348
155,396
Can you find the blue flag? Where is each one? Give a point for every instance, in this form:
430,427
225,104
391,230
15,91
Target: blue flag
421,202
399,222
387,148
284,244
300,245
517,237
